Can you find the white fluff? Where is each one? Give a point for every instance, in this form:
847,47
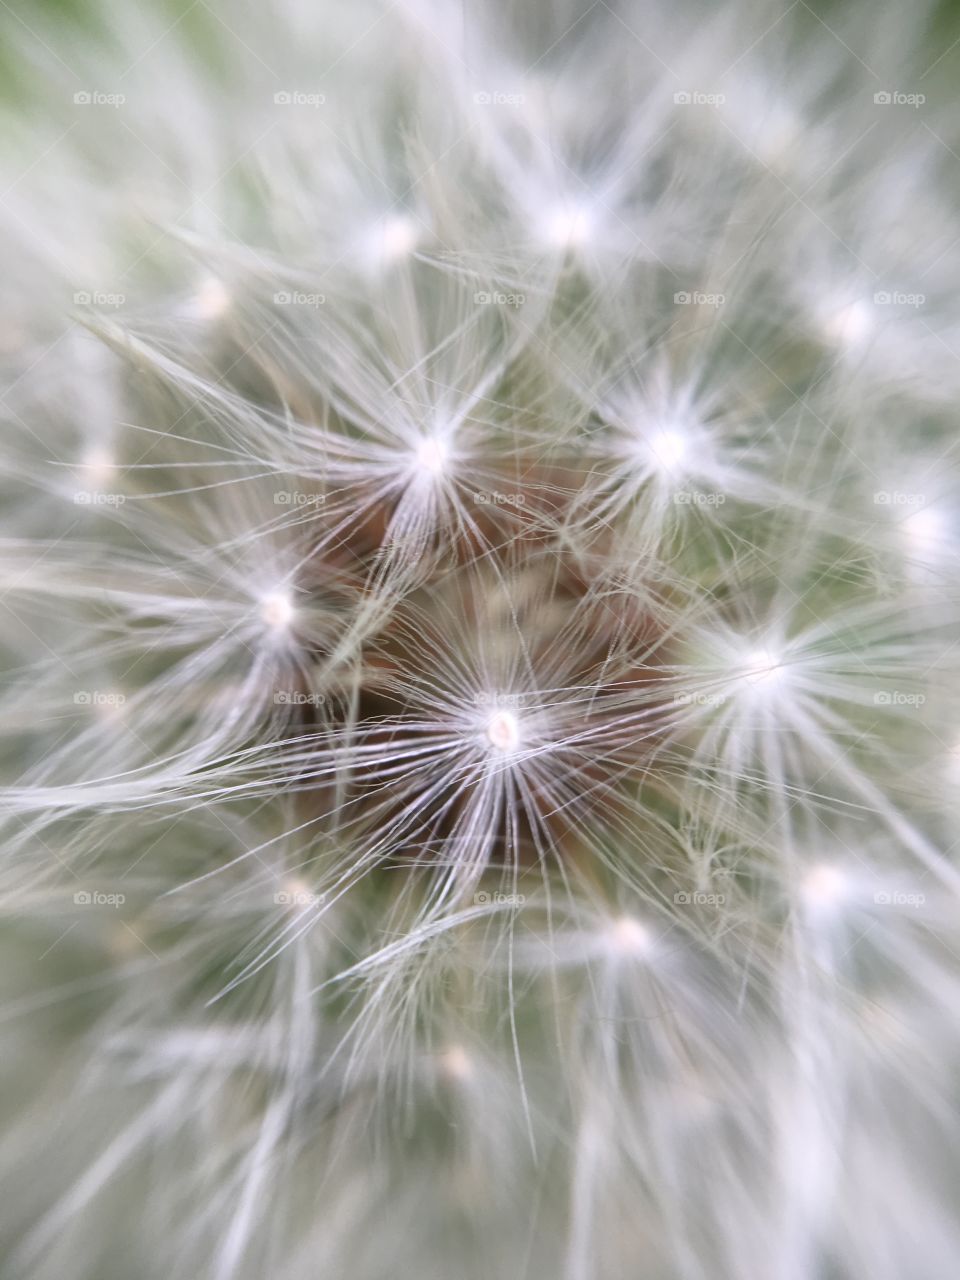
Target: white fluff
479,598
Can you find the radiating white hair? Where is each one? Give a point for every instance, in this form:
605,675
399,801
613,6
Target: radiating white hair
479,599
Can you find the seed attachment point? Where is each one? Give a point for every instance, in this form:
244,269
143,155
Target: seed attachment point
503,731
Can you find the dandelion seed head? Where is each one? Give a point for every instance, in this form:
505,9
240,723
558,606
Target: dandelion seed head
503,731
98,466
295,895
824,889
849,324
764,668
391,239
504,563
278,611
666,449
568,225
777,135
210,300
456,1064
925,532
432,456
629,938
